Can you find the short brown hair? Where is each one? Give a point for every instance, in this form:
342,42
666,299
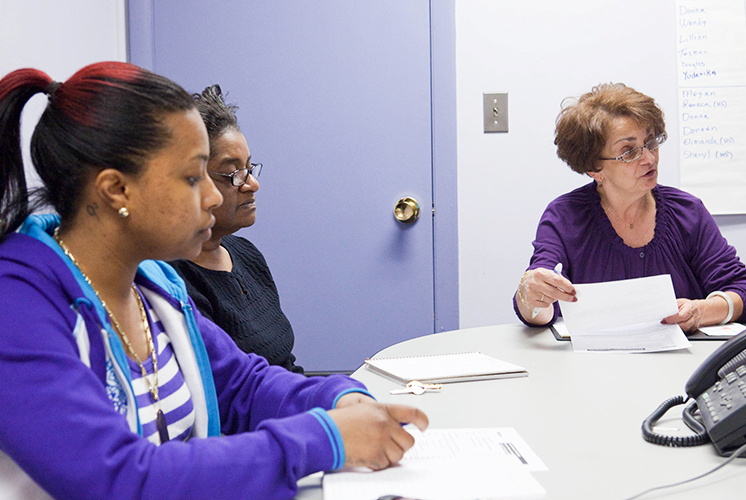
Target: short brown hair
582,127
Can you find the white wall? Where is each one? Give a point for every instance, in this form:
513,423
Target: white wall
59,38
541,51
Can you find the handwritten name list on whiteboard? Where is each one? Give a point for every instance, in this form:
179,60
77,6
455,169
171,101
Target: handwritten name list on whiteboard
711,49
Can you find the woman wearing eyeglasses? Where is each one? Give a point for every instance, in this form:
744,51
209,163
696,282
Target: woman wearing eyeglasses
113,385
623,224
229,280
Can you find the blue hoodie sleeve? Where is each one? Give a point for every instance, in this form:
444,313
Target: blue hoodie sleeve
251,391
60,427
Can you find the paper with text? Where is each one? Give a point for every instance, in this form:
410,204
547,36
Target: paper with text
448,464
472,443
624,316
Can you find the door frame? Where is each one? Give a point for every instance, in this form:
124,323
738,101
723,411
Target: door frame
141,49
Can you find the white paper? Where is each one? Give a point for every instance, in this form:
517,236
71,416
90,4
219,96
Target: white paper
647,337
711,59
448,464
729,330
624,316
472,443
454,367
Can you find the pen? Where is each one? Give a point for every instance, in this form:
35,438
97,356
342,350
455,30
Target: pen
557,270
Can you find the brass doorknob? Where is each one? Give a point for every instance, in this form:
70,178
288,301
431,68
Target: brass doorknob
407,210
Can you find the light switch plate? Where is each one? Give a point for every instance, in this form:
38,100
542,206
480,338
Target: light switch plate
495,112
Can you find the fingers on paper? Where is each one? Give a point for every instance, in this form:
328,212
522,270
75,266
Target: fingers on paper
675,318
372,433
401,440
408,415
688,318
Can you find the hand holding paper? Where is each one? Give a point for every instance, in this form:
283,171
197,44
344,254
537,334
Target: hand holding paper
624,316
688,316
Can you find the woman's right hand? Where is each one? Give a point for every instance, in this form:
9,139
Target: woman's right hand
372,432
539,289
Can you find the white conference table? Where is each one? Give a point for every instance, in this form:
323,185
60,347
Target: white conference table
580,412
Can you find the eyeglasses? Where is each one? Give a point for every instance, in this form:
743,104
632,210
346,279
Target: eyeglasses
634,154
240,176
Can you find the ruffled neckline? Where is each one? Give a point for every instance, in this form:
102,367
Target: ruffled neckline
605,226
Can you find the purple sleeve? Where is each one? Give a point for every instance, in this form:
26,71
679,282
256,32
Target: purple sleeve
58,424
715,262
549,250
251,391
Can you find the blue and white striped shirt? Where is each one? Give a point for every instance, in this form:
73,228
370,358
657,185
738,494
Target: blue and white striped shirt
174,395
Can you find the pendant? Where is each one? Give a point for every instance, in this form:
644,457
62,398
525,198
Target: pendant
161,425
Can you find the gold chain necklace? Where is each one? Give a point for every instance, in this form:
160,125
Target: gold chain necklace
613,212
160,418
631,226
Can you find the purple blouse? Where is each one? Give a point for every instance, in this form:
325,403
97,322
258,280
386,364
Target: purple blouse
687,244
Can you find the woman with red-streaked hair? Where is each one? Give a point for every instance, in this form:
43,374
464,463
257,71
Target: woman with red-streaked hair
624,224
114,386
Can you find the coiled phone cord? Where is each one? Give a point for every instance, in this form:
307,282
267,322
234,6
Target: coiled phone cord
700,433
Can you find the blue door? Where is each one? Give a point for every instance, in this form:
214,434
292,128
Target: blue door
334,98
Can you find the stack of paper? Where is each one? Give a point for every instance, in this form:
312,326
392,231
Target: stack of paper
448,464
624,316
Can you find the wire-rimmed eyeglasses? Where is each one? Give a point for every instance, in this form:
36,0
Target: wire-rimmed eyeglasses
634,154
239,177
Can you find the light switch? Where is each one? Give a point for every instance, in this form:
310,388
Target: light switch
495,112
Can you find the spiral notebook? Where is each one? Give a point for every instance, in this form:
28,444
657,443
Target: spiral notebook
444,368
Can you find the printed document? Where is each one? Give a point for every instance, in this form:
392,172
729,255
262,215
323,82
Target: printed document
448,464
624,316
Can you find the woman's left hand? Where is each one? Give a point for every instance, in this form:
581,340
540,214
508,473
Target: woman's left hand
689,316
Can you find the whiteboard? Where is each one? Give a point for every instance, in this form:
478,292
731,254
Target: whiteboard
711,69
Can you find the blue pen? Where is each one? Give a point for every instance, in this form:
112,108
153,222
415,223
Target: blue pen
557,270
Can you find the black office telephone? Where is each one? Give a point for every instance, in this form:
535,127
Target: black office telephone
717,411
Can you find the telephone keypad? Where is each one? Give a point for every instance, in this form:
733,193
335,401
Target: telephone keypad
710,407
726,398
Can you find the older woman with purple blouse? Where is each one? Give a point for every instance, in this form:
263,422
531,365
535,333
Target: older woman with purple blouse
623,224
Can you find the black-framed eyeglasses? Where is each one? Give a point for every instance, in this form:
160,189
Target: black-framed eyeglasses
239,177
634,154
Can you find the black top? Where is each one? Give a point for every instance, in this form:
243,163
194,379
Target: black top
244,302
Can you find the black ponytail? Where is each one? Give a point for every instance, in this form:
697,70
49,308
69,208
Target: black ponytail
15,91
107,115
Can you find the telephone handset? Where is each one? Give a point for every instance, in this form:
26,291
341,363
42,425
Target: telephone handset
718,390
